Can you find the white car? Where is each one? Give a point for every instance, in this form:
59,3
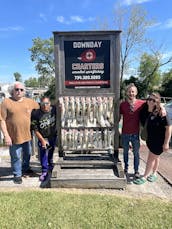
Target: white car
168,107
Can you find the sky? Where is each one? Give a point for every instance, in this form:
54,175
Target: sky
21,21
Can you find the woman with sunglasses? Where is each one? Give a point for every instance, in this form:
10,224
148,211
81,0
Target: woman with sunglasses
158,136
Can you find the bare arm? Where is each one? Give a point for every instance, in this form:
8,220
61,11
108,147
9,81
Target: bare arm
41,139
7,137
163,111
167,138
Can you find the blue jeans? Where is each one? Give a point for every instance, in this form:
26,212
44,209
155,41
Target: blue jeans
135,142
18,153
46,155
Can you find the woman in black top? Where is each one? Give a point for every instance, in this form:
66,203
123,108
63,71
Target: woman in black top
158,136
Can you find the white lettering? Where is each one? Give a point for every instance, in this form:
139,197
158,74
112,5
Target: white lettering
87,66
87,44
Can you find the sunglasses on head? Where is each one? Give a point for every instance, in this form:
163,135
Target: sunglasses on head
151,99
19,89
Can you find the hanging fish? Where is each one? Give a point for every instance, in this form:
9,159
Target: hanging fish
72,107
100,118
64,138
66,105
88,112
110,110
77,109
83,108
85,139
62,109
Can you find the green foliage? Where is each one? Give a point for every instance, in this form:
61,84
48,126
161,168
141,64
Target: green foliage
17,76
32,82
137,82
166,87
133,23
55,209
43,55
51,90
149,73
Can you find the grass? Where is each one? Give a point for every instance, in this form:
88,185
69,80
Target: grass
51,209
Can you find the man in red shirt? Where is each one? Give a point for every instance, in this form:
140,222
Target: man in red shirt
130,109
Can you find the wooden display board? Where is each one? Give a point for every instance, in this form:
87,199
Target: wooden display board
87,70
87,63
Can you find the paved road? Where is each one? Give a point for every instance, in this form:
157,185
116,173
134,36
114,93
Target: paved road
161,188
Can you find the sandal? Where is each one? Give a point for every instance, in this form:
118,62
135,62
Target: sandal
139,181
152,178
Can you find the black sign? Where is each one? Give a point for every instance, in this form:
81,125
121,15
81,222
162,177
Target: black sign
87,64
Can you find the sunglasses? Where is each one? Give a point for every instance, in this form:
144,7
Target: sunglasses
131,108
151,99
19,89
44,103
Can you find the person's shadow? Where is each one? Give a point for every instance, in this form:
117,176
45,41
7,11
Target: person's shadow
5,174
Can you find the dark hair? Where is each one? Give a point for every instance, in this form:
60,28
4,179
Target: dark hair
44,97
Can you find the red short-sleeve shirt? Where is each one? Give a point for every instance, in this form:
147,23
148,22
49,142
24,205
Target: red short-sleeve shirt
131,117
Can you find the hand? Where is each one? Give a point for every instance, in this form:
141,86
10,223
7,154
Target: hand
165,147
44,144
8,140
163,111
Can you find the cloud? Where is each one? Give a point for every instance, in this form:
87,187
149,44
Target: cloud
73,19
43,17
167,55
155,25
77,19
131,2
12,28
60,19
163,25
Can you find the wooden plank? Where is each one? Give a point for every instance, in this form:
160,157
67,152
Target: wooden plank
85,162
117,183
86,174
88,178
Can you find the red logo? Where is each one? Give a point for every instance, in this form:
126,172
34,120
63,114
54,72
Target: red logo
88,56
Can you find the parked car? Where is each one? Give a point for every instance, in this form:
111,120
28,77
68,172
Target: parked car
168,107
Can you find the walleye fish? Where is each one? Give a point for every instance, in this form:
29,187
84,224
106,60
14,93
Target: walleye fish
100,118
62,109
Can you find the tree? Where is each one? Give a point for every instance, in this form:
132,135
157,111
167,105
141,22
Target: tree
17,76
149,72
133,23
166,87
43,56
51,91
32,82
137,82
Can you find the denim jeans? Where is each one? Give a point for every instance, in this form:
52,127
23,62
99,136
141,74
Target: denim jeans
20,157
135,142
46,155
